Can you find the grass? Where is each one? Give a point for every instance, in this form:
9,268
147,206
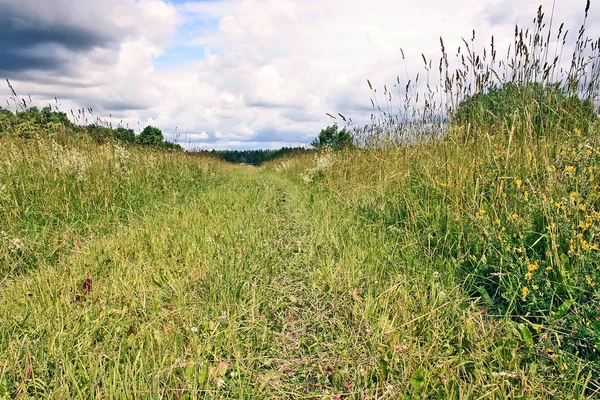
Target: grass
317,276
461,267
56,188
512,224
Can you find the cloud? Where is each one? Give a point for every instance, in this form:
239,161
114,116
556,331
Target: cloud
253,73
50,35
86,53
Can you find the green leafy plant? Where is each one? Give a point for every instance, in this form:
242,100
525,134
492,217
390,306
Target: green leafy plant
333,138
150,136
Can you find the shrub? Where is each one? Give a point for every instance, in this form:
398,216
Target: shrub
331,137
150,136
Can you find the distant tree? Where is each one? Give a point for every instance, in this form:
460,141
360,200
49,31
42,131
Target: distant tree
31,115
171,146
151,136
331,137
99,133
6,115
126,135
47,116
254,157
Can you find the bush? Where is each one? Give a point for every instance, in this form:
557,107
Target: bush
151,136
331,137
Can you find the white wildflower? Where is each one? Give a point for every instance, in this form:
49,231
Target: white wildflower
122,158
324,161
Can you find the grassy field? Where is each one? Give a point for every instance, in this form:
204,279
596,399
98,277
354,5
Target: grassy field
134,273
442,258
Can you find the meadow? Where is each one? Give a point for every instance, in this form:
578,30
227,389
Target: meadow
450,257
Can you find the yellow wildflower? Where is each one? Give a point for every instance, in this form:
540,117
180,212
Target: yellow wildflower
525,292
533,266
528,276
584,225
518,183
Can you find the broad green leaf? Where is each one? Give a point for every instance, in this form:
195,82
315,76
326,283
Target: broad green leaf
563,309
417,381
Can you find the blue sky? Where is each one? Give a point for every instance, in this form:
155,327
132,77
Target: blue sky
190,27
240,73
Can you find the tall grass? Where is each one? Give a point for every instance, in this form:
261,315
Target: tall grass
535,87
59,187
505,196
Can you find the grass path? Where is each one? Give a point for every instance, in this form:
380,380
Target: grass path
257,287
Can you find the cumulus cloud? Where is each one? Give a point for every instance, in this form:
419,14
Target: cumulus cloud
49,35
263,72
86,53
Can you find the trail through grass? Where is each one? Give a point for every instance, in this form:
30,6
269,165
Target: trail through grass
258,286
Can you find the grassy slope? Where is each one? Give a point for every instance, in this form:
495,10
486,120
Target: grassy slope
248,283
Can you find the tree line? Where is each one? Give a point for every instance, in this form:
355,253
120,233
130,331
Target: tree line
100,132
253,157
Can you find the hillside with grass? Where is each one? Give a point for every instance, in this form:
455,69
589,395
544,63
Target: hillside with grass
447,250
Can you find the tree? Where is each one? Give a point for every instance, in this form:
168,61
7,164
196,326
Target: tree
99,133
331,137
49,116
151,136
125,134
6,115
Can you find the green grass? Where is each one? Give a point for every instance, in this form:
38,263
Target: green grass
466,267
316,276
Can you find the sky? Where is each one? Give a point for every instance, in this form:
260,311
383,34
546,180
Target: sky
240,74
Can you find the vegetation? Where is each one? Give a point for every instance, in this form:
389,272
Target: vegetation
334,139
254,157
547,106
420,264
29,120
